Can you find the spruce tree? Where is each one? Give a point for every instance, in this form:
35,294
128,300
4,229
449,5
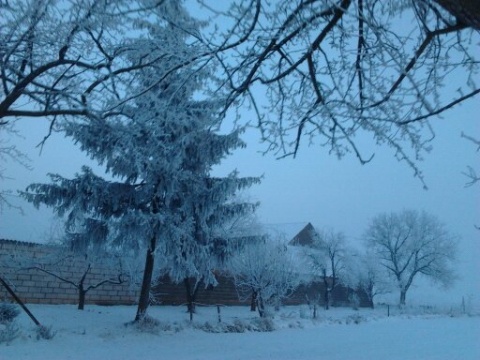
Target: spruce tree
158,154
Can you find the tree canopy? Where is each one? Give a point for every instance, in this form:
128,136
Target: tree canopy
316,71
412,243
333,70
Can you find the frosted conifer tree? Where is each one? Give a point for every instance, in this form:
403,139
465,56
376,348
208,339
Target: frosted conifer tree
159,155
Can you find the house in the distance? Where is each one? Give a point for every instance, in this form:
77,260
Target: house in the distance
304,237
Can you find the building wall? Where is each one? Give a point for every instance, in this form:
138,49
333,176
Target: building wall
225,293
168,293
35,286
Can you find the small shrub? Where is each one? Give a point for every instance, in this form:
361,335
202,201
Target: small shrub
238,326
148,325
295,325
355,319
214,329
207,327
8,312
264,324
45,332
8,332
154,326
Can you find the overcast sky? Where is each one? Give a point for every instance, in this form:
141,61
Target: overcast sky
314,187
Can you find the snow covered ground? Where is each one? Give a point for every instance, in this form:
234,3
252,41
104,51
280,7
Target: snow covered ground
100,333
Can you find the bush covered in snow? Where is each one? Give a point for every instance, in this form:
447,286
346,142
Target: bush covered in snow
45,332
8,312
153,326
8,332
238,326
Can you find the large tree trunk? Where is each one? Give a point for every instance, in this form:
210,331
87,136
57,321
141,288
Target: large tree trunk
144,300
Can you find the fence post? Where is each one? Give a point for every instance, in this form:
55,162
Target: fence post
388,310
219,315
19,302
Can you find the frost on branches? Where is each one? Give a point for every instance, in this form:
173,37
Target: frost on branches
264,272
159,155
328,259
411,244
332,70
320,71
76,58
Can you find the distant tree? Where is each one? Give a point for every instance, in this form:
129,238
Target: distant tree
264,271
162,196
326,256
366,274
412,243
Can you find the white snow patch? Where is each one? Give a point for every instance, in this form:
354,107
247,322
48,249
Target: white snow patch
100,333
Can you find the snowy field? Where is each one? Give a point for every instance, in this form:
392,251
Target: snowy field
100,333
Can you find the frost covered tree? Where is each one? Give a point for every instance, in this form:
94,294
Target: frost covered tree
73,58
334,69
70,59
264,270
326,256
365,273
85,244
159,154
110,266
330,70
409,244
194,258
